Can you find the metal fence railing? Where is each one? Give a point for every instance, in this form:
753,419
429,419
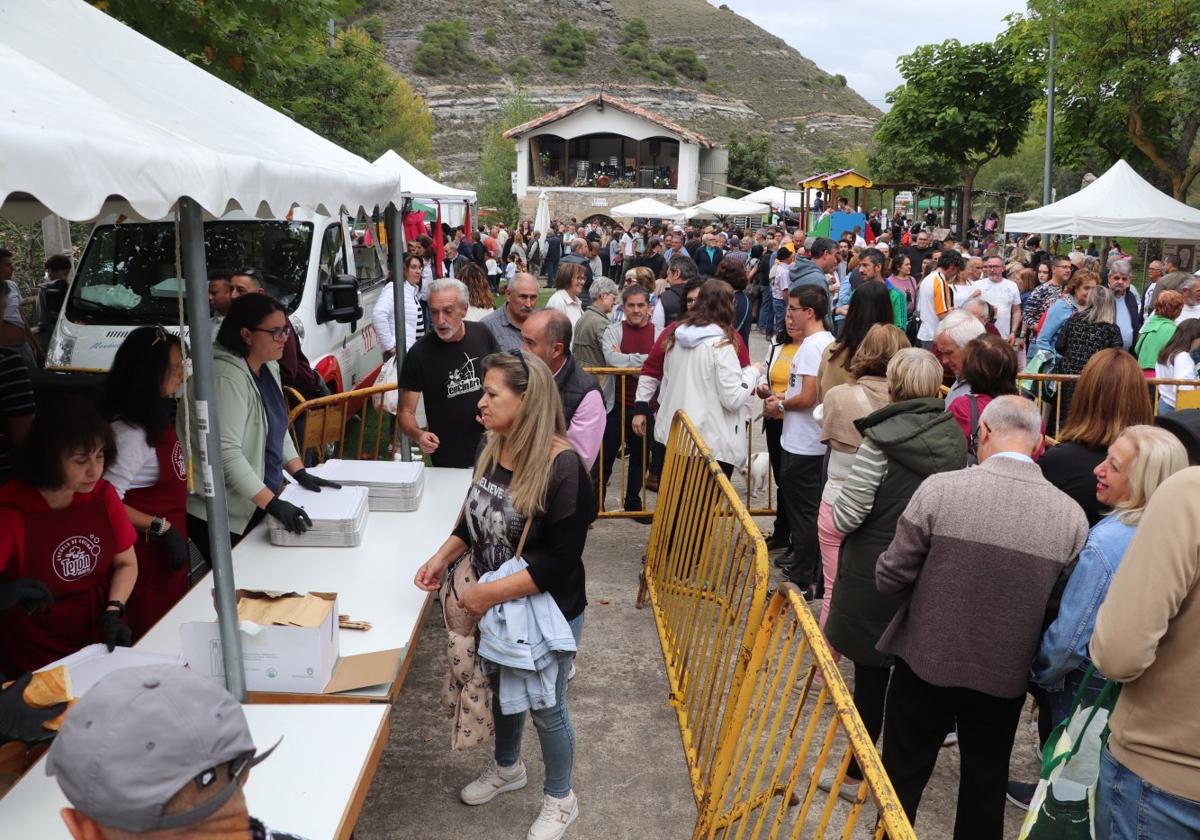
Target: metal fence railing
749,679
1046,389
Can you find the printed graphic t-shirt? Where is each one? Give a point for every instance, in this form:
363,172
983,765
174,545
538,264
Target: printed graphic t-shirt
450,376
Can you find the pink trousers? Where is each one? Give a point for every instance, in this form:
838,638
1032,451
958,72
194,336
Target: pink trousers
830,540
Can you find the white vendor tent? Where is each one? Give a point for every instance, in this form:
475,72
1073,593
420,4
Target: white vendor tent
415,184
776,197
541,219
724,206
99,119
1118,203
647,208
92,109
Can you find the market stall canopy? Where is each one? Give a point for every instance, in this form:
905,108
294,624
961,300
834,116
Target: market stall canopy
1118,203
647,208
841,179
98,118
776,196
724,206
416,184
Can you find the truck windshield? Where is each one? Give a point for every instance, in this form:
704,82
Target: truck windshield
127,273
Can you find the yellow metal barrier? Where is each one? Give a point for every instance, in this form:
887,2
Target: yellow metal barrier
741,673
1046,390
345,425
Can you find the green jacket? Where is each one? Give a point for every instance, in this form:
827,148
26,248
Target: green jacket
588,348
919,438
899,307
242,422
1156,333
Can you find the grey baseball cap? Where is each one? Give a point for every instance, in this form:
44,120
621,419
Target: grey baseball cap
139,736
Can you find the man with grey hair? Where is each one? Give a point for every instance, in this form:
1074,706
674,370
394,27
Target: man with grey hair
975,583
547,335
443,366
1189,287
954,332
588,343
1129,314
1154,273
505,322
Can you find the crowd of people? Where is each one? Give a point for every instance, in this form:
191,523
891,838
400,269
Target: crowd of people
967,547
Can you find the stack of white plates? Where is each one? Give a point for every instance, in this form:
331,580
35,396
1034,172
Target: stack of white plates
393,485
339,517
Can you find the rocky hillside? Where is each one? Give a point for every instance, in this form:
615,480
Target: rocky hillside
754,80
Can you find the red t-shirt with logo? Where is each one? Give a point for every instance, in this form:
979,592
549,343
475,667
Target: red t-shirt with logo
17,497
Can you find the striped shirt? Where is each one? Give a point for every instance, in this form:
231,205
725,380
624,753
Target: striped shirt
857,497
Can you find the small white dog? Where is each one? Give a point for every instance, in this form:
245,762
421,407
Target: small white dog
760,472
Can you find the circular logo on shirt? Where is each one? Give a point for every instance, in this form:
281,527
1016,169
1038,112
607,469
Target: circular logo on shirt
76,557
177,461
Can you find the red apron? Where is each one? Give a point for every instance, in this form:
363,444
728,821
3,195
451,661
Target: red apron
71,551
158,588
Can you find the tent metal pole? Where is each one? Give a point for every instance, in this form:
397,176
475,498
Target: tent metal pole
191,229
396,246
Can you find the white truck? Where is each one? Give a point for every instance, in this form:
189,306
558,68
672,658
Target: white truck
126,278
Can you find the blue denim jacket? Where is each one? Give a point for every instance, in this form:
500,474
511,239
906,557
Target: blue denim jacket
1057,315
1064,645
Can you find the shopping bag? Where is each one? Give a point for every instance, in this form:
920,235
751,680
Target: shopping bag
1064,805
1045,362
387,400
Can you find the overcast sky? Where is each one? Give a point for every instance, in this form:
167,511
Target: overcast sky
861,39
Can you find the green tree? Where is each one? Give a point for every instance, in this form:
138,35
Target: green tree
568,47
498,155
249,43
961,105
1128,82
445,47
750,164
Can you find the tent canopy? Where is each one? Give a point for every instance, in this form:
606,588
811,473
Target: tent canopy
647,208
724,206
776,196
98,118
416,184
1118,203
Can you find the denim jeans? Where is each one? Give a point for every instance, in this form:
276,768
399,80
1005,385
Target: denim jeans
780,312
554,728
1130,808
1060,702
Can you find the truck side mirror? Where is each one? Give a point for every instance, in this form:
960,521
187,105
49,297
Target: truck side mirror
340,301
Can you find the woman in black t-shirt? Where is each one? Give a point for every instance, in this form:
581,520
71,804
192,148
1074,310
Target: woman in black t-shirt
522,413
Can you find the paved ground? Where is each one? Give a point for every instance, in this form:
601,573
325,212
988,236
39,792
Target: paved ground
630,773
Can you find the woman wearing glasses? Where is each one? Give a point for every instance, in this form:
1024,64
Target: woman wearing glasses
518,506
252,414
148,470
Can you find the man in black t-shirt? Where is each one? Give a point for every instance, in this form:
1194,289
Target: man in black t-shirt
444,366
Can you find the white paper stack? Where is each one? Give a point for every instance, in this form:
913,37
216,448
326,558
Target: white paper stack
339,517
393,485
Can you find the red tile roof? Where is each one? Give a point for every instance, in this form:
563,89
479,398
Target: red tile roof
621,105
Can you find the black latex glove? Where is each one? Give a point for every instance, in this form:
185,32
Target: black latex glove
114,631
31,594
293,518
313,482
20,722
176,546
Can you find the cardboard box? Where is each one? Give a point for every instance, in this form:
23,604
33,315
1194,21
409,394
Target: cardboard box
289,644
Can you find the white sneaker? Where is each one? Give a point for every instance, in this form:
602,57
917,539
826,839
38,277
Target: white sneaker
848,790
556,815
493,781
950,740
571,675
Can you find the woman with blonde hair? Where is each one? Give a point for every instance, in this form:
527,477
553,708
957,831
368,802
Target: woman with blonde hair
843,406
1110,396
1137,462
517,504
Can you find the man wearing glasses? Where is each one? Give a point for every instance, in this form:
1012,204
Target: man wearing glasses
294,369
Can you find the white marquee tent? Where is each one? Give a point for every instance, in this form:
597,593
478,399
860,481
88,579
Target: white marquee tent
776,197
724,206
417,185
647,208
1118,203
99,119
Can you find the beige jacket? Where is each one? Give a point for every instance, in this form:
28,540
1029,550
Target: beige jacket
1147,636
